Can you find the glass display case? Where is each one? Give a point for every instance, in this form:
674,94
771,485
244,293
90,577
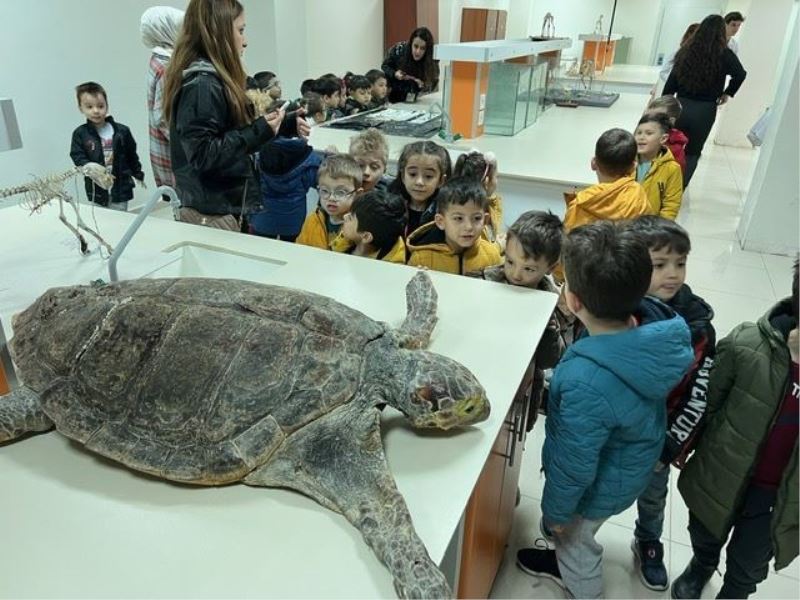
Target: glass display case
516,96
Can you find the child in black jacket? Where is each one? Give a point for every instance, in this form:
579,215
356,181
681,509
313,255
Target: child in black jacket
104,141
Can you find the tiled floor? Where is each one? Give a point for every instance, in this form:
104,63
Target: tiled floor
739,286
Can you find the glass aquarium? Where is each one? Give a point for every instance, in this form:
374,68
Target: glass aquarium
507,98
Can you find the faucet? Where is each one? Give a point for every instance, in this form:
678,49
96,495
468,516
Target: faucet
146,210
444,131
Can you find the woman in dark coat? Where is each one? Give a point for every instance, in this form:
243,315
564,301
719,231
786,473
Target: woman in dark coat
410,68
698,77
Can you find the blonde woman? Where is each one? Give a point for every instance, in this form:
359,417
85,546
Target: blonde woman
213,130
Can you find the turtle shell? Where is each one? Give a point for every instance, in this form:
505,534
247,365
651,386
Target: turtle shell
193,380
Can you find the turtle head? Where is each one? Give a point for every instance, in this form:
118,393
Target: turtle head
441,393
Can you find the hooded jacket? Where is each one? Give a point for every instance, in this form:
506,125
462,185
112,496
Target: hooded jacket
606,415
620,199
686,403
396,254
676,142
315,233
288,170
663,185
214,172
428,248
746,390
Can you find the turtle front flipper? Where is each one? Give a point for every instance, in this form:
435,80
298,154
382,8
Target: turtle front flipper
338,461
417,328
20,413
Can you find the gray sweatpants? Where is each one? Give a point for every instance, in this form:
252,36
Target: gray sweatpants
580,558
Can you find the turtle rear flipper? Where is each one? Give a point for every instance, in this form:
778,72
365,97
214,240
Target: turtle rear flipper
339,461
417,328
20,413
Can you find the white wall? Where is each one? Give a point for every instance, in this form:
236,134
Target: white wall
760,42
769,218
343,35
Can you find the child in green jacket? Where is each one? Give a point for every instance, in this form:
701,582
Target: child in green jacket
743,475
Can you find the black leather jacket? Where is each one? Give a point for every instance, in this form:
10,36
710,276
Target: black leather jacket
211,155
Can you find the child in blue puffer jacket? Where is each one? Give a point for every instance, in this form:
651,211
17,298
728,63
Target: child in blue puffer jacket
288,169
606,411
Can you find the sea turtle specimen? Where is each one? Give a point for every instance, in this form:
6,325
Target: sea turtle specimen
212,382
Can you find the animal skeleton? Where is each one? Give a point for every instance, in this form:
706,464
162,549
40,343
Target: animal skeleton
42,190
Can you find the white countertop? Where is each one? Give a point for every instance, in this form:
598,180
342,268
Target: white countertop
600,37
558,148
497,50
645,75
76,525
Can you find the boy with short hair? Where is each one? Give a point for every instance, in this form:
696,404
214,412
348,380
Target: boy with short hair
315,106
733,21
533,247
380,88
107,142
669,247
657,170
338,181
606,413
677,140
616,195
371,151
267,82
359,94
452,242
374,227
330,88
743,475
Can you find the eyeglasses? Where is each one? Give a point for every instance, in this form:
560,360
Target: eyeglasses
337,195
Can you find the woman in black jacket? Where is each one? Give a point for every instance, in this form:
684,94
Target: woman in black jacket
698,79
213,131
410,68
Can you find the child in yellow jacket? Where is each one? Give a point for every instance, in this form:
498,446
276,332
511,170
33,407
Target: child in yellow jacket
453,242
482,166
657,170
338,180
616,196
374,227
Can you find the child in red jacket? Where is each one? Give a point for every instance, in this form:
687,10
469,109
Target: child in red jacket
677,140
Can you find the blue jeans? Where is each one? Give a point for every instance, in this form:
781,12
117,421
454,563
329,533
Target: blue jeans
651,504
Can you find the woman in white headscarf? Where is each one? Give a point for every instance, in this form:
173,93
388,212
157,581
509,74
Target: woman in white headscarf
160,28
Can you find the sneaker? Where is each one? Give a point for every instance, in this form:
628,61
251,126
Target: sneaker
691,582
649,559
539,563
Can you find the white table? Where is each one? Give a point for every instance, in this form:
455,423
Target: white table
75,525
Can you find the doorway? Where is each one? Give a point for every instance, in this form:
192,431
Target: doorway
675,16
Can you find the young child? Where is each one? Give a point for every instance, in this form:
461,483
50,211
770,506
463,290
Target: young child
288,169
453,243
338,181
606,414
657,170
616,195
104,141
268,82
421,170
379,89
483,167
330,88
374,227
359,95
533,247
371,151
315,107
743,475
669,247
677,140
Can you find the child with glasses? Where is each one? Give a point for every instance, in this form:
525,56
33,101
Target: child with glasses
338,181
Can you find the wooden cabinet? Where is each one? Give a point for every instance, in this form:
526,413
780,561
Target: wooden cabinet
401,17
490,511
479,24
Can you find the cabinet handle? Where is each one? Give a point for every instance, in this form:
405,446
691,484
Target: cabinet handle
514,430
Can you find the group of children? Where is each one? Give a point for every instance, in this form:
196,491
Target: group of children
639,381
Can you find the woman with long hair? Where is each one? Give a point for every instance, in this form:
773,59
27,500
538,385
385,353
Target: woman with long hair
410,68
698,77
213,128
